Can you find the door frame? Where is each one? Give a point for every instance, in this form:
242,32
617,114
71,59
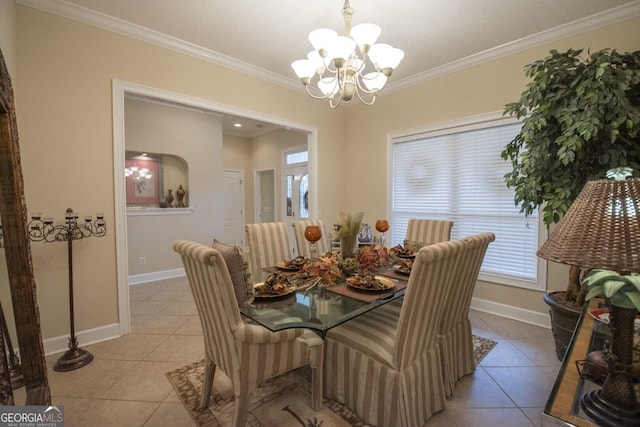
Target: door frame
119,89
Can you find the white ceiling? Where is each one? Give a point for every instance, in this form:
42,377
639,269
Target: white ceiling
263,37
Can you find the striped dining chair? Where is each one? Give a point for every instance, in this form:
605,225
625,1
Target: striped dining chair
454,331
303,245
247,353
385,365
427,231
268,245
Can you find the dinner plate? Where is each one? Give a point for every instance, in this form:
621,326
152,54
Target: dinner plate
602,315
287,267
399,269
259,287
384,282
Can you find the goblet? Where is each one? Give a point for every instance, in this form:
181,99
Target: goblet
382,225
313,233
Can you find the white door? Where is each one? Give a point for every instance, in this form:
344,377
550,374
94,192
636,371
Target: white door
296,204
234,207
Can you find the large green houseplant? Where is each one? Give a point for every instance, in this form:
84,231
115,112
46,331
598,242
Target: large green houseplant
580,117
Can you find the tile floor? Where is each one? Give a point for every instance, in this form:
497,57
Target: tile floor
125,385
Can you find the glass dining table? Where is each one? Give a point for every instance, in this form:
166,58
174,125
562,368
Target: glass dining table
318,308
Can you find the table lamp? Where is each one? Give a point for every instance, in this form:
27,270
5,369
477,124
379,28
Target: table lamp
601,230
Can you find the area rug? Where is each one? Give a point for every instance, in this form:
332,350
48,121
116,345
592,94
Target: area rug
280,402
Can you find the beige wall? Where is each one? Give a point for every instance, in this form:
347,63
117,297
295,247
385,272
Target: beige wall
196,137
267,153
478,90
8,35
64,107
260,152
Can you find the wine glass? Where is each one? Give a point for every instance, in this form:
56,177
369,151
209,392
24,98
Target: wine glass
312,233
382,225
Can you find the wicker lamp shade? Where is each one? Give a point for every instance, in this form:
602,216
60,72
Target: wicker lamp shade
601,229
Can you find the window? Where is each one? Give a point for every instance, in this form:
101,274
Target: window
457,174
297,157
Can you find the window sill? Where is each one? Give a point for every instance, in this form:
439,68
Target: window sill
159,211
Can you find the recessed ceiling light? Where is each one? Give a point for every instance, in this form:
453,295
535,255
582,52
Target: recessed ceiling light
238,125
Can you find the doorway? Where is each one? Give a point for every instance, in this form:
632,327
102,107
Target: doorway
234,207
265,195
295,190
120,90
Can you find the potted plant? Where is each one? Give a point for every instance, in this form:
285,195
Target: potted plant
580,117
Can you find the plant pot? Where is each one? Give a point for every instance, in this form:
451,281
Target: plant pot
563,321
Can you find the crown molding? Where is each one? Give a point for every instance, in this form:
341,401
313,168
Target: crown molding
101,20
598,20
97,19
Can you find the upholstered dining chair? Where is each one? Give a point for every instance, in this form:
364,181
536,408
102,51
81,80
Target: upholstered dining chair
247,353
454,332
303,245
385,365
268,245
427,231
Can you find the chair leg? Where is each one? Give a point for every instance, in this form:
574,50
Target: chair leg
207,384
316,388
240,407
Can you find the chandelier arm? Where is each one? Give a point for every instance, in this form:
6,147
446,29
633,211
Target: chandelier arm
365,102
331,104
362,88
315,96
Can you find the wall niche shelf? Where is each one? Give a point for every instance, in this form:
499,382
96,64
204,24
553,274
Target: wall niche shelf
156,181
159,211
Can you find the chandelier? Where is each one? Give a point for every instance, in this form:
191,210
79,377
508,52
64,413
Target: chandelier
344,66
137,173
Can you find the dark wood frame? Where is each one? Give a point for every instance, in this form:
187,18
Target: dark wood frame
13,212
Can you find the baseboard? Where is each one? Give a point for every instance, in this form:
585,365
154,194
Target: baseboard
156,275
85,338
523,315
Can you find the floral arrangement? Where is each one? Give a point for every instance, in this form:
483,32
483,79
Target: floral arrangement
348,225
372,258
349,266
325,266
347,229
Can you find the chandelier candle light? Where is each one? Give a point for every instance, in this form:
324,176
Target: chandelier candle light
348,65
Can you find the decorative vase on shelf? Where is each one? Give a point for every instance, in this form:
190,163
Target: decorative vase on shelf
180,192
365,234
169,198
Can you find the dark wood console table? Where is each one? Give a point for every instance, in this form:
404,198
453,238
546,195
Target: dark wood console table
563,406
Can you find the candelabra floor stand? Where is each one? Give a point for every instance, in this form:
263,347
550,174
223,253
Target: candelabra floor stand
75,357
42,229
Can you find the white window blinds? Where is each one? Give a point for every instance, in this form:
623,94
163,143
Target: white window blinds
458,175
